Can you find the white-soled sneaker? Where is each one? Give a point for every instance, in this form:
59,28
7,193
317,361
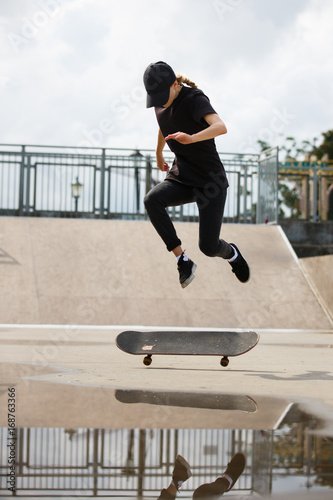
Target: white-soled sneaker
186,269
240,266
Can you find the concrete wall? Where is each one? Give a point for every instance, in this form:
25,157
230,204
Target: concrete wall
55,271
309,239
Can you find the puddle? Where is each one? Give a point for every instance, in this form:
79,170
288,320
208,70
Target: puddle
132,454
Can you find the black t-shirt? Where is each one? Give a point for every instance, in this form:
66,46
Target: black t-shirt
198,163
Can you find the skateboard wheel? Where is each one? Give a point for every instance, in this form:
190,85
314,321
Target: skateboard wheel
147,360
224,361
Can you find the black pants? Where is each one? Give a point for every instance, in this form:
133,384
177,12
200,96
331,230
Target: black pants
210,201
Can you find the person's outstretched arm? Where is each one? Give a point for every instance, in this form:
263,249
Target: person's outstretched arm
216,127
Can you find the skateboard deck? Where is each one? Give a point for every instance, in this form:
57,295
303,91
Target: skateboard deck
187,343
209,401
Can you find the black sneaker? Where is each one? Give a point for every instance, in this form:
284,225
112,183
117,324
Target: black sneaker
186,270
234,469
181,471
240,266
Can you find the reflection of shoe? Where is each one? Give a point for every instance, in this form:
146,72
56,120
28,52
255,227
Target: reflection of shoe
234,469
240,266
186,269
181,471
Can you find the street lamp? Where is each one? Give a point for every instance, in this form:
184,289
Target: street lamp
76,191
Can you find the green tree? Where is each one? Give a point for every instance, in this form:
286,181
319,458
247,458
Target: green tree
290,199
326,147
263,145
296,151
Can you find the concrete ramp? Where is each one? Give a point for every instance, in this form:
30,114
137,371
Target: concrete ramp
119,273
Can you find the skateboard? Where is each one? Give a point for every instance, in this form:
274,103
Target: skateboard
211,401
188,343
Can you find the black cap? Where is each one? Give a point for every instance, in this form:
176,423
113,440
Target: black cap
158,79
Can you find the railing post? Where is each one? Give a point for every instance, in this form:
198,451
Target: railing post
305,198
245,194
239,194
148,173
258,214
21,193
27,186
102,187
95,462
324,197
314,194
276,201
142,456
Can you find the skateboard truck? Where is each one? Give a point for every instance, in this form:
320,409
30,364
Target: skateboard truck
147,360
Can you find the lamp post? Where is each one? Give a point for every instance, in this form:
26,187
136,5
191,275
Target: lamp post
76,192
137,156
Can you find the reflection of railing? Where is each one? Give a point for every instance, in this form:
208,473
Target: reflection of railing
118,462
38,181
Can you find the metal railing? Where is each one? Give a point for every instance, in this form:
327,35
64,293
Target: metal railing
106,183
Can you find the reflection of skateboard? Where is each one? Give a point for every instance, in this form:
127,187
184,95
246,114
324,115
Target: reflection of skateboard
188,400
204,343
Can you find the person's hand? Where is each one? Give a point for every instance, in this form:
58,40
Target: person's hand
180,137
161,163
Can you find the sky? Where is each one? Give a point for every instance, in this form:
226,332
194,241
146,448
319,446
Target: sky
71,70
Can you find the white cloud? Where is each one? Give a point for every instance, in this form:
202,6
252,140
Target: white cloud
77,68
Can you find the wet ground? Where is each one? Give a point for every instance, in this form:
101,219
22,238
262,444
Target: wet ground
84,419
135,462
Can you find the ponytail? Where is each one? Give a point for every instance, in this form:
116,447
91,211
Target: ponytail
181,79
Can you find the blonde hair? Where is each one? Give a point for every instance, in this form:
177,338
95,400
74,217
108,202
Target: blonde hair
181,79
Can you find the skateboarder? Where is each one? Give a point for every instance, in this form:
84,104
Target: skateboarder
211,491
188,124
